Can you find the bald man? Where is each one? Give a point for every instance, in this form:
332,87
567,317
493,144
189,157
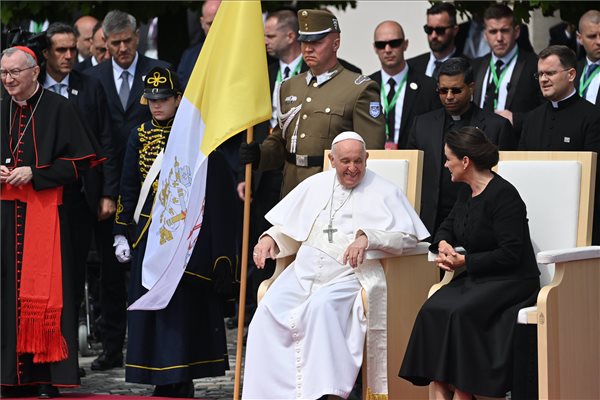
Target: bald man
190,55
405,93
588,70
85,27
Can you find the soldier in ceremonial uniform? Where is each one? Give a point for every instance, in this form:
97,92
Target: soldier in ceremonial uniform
169,348
317,105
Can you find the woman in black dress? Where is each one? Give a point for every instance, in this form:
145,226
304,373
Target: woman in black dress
462,340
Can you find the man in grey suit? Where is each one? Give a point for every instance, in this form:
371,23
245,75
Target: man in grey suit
123,80
428,132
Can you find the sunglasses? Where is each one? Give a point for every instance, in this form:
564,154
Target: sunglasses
394,43
445,91
439,30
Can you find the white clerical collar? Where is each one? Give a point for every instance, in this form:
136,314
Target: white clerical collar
556,103
50,81
324,77
385,77
433,59
507,58
456,117
23,103
292,66
94,61
118,70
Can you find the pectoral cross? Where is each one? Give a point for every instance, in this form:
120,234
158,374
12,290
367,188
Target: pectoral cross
329,231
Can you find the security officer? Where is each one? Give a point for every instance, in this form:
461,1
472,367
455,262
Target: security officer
317,105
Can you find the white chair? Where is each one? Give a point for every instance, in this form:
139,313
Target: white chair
558,189
408,277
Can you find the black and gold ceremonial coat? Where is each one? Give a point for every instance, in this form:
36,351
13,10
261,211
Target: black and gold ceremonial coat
186,340
313,114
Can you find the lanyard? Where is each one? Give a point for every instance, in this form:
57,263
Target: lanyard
584,85
498,80
294,72
387,107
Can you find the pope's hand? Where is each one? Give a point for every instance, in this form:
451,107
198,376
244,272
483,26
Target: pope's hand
122,250
266,247
355,253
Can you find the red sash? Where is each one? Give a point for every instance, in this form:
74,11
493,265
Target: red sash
41,295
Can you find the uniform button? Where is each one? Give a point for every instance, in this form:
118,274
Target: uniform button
328,110
315,84
304,116
302,135
308,99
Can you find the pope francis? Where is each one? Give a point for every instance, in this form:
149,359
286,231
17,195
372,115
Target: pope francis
307,336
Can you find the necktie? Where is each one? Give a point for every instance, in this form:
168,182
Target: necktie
391,113
490,92
286,73
57,88
124,90
590,70
436,69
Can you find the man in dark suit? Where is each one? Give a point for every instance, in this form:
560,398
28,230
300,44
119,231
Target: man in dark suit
123,81
504,80
588,69
405,93
92,197
441,30
98,50
190,55
566,122
455,88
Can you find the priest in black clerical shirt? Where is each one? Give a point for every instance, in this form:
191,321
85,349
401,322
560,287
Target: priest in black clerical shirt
566,122
428,132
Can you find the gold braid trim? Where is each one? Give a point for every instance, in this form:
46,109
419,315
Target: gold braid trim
376,396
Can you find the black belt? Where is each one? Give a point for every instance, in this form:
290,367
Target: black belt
301,160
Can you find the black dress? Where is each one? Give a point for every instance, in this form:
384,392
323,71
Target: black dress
47,135
464,333
186,340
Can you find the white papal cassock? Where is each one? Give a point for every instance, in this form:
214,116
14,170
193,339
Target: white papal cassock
307,336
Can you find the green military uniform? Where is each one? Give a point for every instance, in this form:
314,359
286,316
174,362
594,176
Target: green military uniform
313,111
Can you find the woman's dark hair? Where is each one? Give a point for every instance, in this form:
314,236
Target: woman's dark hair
472,142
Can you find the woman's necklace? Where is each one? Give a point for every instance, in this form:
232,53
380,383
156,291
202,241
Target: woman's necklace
20,138
330,229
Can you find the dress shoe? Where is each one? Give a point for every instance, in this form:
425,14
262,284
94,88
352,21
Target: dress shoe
18,391
107,361
179,390
46,391
82,372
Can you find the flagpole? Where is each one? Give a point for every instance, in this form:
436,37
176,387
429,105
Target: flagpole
244,272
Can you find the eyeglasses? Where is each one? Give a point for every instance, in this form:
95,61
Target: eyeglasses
549,74
394,43
439,30
13,72
453,90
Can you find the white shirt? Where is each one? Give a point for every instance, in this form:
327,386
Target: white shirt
592,91
505,84
117,71
385,77
432,60
49,82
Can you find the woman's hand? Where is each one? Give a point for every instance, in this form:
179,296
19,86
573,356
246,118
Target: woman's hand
448,259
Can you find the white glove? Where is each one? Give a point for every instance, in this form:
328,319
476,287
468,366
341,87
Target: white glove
122,249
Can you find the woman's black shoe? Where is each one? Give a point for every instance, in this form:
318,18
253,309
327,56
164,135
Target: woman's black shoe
46,391
180,390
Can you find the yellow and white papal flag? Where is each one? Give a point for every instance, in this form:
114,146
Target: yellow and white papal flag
227,93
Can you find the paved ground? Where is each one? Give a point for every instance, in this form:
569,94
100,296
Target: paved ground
113,381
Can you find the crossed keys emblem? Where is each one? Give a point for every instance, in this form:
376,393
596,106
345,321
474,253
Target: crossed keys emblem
156,79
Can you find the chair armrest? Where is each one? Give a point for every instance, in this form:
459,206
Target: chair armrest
281,264
420,248
565,255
